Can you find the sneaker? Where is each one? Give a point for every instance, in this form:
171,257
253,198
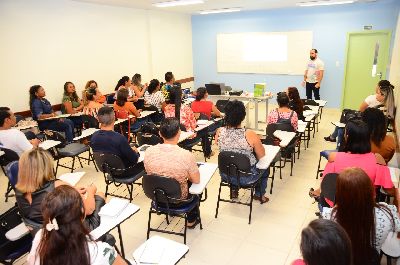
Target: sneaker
329,139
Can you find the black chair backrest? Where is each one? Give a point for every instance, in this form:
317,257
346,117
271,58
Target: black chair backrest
148,138
328,186
149,127
271,128
110,98
150,107
8,157
161,189
220,104
234,165
139,104
109,163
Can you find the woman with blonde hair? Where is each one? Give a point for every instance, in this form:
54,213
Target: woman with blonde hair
36,179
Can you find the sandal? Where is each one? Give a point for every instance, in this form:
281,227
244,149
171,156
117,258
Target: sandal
262,199
313,195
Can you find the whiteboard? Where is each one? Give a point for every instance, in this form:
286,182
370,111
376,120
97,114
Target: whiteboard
264,52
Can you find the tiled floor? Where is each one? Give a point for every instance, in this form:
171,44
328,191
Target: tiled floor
271,238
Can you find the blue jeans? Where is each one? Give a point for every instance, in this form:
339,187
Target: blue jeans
339,134
260,188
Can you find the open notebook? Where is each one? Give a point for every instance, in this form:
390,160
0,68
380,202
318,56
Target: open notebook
71,178
114,207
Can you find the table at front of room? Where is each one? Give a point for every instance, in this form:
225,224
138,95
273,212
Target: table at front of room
256,100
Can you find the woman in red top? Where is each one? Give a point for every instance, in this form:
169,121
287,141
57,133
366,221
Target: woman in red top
203,106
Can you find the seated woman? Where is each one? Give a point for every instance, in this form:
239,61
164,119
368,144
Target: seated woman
384,97
203,106
41,110
63,229
133,91
324,242
283,114
93,84
357,153
137,85
295,102
234,138
153,96
71,104
366,222
90,102
36,179
122,104
381,142
187,119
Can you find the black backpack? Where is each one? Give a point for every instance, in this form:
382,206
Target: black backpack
284,120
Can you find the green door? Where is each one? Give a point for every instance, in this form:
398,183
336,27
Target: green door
366,64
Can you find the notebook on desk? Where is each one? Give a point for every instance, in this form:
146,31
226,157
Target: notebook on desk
114,207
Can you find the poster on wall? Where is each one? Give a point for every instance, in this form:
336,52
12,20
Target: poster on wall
264,52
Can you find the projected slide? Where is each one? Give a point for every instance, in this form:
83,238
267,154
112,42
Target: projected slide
264,52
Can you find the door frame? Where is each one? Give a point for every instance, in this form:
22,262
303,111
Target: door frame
349,34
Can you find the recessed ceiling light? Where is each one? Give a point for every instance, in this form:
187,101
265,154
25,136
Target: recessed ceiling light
223,10
178,3
326,3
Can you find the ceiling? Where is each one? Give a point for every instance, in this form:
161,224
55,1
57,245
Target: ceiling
208,5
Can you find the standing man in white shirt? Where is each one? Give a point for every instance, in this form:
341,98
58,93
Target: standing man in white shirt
313,75
12,138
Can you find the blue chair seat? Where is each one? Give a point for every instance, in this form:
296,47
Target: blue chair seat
178,208
326,153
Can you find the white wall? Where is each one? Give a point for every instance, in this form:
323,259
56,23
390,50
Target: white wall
50,42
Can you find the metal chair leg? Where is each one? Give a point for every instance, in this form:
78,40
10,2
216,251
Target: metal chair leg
251,203
219,197
148,224
319,164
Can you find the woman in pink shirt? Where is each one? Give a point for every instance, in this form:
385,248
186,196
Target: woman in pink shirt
356,152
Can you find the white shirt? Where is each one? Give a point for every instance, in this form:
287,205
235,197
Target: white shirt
372,102
383,222
101,253
314,68
15,140
155,99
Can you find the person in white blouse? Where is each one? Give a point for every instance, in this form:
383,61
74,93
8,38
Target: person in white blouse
366,222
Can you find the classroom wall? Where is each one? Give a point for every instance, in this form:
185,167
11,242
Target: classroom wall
50,42
329,25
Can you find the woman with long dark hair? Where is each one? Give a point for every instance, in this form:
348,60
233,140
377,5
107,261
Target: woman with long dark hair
366,222
295,102
381,142
134,92
153,96
122,104
186,117
203,106
71,103
356,152
64,238
42,110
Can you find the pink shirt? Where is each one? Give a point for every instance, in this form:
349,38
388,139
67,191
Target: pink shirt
186,118
171,161
379,174
274,115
